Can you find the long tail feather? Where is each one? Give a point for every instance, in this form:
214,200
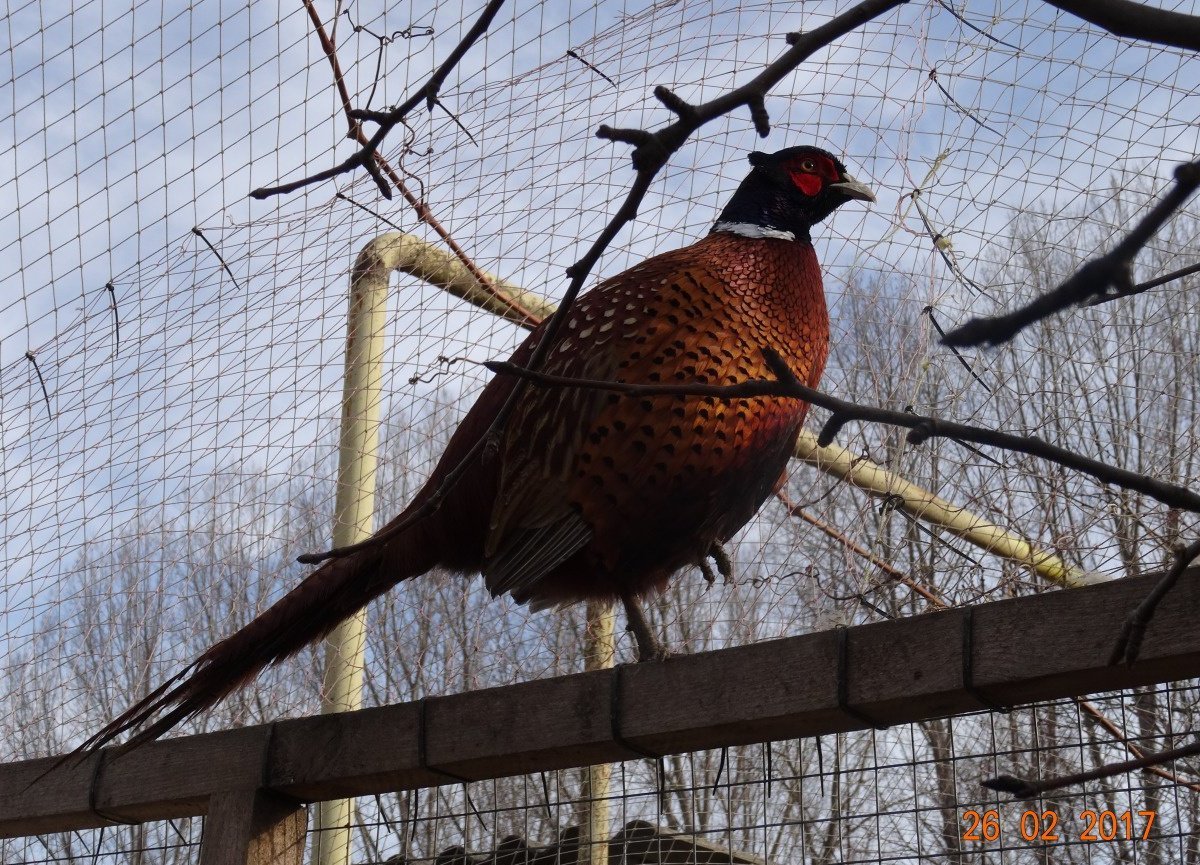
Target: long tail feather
330,594
450,536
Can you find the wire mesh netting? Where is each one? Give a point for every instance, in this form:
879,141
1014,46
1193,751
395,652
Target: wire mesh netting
171,350
906,794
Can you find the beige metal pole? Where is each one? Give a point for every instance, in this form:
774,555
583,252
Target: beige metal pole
599,648
925,506
442,269
438,267
341,690
342,686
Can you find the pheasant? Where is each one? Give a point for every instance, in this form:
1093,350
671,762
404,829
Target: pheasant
592,494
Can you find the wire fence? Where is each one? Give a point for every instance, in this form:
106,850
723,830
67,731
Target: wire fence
905,794
170,360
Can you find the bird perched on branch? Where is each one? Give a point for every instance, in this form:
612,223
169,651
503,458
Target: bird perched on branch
592,494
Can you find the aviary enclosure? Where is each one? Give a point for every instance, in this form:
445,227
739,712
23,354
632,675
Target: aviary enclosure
919,610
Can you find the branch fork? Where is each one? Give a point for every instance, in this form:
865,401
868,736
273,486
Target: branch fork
1092,281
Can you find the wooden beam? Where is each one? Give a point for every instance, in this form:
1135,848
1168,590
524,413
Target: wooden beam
80,794
1022,650
253,827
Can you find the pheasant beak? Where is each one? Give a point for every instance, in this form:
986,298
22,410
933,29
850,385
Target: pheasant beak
852,188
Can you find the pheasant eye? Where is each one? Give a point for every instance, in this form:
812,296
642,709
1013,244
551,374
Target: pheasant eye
806,178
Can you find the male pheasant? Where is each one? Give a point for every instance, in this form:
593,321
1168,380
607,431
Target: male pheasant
593,494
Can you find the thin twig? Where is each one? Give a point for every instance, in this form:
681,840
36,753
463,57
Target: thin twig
183,839
920,427
366,156
1022,788
933,76
112,303
1132,748
886,567
390,223
936,538
1147,285
442,105
46,393
572,53
200,234
978,30
339,80
1093,279
1129,643
929,312
908,409
941,243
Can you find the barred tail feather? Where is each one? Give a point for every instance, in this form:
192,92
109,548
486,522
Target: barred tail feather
414,542
329,595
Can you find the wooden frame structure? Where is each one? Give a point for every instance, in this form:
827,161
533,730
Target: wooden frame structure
253,782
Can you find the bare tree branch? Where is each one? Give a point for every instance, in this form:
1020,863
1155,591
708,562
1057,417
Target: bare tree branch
1132,748
1137,21
920,427
380,164
1094,279
1022,788
368,154
1147,285
651,150
887,568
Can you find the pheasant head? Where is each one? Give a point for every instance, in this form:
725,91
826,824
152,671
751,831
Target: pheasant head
788,192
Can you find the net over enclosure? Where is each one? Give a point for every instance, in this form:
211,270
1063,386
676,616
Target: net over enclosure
171,361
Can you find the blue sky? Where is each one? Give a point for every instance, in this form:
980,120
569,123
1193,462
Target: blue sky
121,130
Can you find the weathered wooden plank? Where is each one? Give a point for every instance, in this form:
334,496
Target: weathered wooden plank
253,827
1055,647
535,726
335,756
1024,649
170,778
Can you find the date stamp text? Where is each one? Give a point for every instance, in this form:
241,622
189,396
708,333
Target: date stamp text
1049,826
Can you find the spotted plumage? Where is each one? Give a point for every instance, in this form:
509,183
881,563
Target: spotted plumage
635,489
593,494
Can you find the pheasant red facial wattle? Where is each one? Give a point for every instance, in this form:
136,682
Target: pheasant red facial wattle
593,494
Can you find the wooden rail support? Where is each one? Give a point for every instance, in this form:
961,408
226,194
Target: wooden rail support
253,827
